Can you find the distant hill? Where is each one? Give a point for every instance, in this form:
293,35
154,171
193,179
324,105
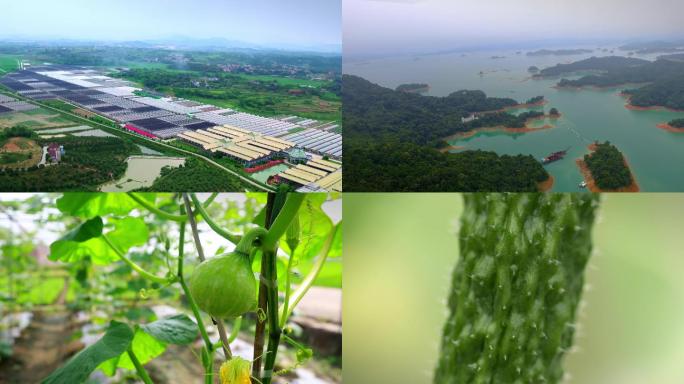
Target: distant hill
607,63
664,78
646,47
558,52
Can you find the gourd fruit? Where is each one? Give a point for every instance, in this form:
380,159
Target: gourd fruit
235,371
224,286
516,287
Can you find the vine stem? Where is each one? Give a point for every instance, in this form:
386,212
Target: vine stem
139,367
155,210
133,265
200,252
278,227
186,291
282,221
212,224
260,331
308,281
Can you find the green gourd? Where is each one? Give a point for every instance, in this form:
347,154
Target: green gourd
516,287
224,286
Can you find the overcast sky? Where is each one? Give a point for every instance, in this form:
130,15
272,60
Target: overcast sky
266,22
395,26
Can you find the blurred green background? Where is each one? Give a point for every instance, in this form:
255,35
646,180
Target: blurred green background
400,250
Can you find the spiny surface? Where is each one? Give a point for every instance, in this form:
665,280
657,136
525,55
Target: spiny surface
516,287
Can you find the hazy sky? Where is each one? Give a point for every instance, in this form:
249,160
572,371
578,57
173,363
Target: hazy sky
267,22
392,26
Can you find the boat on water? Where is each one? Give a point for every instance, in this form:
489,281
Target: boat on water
583,184
554,156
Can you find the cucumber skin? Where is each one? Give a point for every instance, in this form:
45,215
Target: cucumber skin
516,287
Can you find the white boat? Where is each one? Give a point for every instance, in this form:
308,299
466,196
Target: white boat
583,184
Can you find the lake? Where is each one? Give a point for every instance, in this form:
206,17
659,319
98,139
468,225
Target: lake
654,155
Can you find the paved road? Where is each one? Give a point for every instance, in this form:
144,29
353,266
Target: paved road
247,180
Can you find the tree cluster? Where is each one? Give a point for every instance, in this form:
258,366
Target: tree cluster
607,166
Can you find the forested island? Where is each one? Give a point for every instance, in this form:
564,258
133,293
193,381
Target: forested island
391,139
598,64
664,79
558,52
605,169
676,125
413,88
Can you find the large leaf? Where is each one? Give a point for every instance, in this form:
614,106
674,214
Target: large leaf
331,273
315,226
116,340
128,232
177,329
145,348
85,231
90,204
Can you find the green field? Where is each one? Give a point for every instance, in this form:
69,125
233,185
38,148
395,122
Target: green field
288,81
8,63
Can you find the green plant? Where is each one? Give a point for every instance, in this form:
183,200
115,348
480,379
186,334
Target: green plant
516,287
105,227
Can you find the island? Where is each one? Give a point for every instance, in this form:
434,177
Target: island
646,47
662,80
605,169
593,64
392,140
413,88
553,112
533,69
676,125
558,52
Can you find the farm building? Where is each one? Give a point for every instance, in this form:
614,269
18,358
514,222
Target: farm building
247,147
314,176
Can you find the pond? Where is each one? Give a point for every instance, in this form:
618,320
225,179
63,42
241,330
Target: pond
141,172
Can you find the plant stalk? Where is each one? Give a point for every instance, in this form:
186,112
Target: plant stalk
133,265
212,224
155,210
139,367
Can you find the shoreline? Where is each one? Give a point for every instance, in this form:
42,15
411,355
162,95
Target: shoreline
591,183
450,148
501,128
631,107
546,185
525,105
669,128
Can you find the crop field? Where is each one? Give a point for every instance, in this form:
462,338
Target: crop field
129,288
36,119
8,63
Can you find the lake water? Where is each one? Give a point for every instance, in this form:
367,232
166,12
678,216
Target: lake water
141,172
655,156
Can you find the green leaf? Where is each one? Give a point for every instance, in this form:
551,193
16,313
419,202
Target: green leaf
85,231
90,204
145,347
177,329
315,226
128,232
115,341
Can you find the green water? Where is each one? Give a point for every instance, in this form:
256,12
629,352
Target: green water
655,156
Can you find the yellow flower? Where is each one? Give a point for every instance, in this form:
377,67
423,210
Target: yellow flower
235,371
